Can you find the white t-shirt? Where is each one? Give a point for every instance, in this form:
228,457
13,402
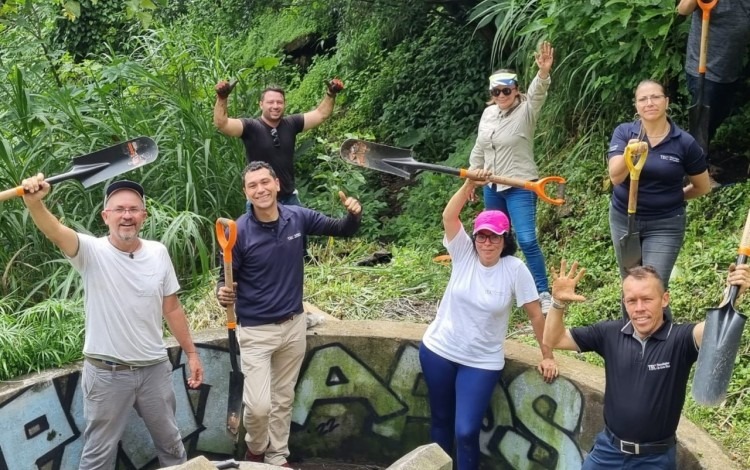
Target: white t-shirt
123,299
472,318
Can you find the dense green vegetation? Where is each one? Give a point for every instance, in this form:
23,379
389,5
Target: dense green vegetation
76,76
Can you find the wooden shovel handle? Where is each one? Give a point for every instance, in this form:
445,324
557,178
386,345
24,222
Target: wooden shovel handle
11,193
227,244
706,7
745,240
537,186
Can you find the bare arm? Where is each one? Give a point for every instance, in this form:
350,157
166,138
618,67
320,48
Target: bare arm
63,237
324,110
228,126
556,336
686,7
452,211
547,367
178,325
618,171
699,185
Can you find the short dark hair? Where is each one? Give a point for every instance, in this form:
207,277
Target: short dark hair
275,88
255,166
509,248
644,272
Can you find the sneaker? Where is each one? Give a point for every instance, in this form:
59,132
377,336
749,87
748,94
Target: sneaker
250,457
545,298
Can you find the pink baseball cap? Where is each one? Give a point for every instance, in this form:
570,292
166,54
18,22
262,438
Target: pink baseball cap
494,221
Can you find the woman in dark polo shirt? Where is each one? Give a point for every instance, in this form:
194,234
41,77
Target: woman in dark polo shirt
673,155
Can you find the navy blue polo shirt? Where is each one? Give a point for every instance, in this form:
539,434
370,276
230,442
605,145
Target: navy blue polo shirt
661,181
268,261
646,381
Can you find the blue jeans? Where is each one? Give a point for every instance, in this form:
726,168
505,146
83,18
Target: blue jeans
604,455
459,396
520,205
661,241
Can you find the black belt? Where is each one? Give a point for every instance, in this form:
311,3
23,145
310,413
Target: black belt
286,318
641,448
109,365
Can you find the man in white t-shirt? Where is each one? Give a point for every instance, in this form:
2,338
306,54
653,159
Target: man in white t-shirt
129,286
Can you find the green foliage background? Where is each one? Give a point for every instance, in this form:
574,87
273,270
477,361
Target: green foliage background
76,76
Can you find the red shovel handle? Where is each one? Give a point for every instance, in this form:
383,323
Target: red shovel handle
227,244
745,241
706,7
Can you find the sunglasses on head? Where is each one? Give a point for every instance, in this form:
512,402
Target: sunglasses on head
498,91
275,137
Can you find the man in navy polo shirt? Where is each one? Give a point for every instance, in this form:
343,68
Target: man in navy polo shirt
647,362
268,268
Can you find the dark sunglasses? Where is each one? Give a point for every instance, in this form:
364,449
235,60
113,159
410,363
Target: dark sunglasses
275,137
498,91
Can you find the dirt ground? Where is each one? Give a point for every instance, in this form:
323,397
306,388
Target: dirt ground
728,168
319,464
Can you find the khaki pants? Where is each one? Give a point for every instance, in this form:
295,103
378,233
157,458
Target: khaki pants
271,359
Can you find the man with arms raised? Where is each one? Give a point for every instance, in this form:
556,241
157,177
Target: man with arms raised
271,138
129,285
647,362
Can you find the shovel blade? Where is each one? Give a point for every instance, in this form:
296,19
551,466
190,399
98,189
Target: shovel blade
698,117
236,384
630,250
375,156
721,341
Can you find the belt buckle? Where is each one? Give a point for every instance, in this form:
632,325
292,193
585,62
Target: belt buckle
634,448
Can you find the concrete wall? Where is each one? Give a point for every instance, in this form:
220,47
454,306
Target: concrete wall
360,397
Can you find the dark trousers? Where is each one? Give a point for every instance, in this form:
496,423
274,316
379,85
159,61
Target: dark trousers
718,96
605,455
459,396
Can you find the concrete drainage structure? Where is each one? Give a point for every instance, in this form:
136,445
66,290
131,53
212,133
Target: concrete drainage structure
360,398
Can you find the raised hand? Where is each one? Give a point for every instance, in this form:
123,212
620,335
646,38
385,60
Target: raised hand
35,187
544,58
564,283
352,205
224,88
334,86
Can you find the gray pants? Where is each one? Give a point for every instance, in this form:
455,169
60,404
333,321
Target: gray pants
106,397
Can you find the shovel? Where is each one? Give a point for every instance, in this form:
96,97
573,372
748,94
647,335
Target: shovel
401,162
236,379
630,243
101,165
721,340
699,113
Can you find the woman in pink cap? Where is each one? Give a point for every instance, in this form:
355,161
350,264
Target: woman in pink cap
462,354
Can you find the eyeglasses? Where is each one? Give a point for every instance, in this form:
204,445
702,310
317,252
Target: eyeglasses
651,98
493,238
123,210
498,91
275,137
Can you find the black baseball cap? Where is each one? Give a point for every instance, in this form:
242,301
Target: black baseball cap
123,184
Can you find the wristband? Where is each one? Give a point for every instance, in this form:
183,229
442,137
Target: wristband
558,305
191,352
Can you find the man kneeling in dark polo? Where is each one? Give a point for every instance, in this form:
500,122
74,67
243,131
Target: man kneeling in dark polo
268,267
647,362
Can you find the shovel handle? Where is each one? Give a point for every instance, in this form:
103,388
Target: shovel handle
702,58
227,244
11,193
539,187
745,240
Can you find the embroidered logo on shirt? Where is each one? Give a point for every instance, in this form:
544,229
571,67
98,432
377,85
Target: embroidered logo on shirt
659,366
292,237
670,158
613,148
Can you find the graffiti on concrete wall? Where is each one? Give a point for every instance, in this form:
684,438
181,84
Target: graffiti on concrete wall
529,425
348,405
